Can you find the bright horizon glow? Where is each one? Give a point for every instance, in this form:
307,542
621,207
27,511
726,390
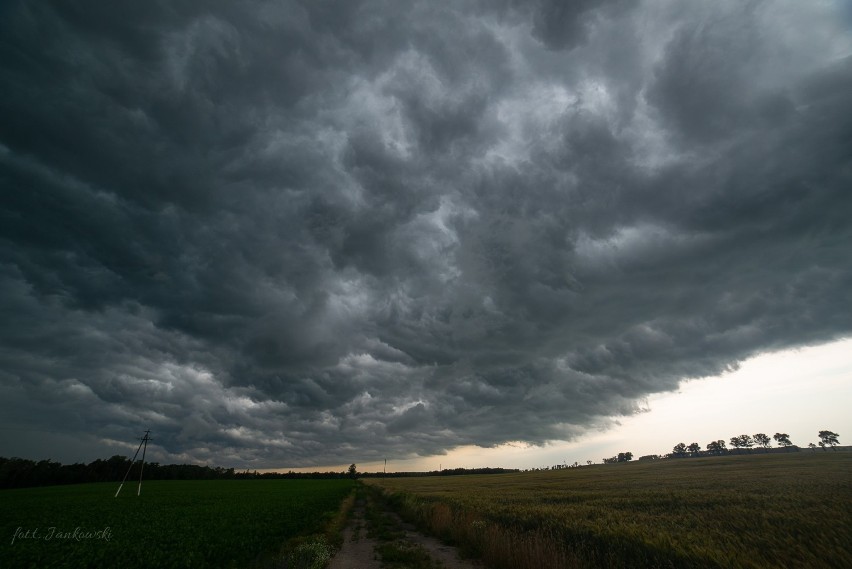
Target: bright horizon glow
799,392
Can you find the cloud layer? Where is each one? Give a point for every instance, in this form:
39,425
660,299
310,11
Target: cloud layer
307,233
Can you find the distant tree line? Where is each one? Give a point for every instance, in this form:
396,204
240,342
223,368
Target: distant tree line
620,457
21,472
444,472
747,442
828,439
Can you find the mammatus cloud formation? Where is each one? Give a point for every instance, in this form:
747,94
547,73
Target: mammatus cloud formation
303,233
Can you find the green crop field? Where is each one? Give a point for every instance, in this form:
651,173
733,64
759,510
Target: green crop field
769,510
231,523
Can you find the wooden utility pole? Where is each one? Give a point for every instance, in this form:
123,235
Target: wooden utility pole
144,442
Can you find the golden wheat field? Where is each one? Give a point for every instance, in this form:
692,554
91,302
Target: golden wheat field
760,510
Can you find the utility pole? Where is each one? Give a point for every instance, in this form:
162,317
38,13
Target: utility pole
144,442
145,448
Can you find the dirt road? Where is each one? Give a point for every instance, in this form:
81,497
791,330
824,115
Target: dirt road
358,550
375,534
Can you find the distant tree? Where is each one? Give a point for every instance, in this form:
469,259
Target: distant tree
716,447
353,471
742,441
610,460
827,438
783,439
694,449
590,462
625,456
812,446
679,449
762,440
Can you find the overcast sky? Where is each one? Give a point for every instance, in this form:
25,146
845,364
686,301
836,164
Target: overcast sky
285,234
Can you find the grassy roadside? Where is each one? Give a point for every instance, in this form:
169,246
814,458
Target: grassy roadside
771,510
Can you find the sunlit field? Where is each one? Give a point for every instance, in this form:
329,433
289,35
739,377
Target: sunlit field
180,524
772,510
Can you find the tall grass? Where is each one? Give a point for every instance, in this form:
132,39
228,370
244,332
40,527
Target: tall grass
791,510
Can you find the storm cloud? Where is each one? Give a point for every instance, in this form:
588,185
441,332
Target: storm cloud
303,233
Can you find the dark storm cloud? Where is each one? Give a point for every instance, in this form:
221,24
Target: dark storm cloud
291,233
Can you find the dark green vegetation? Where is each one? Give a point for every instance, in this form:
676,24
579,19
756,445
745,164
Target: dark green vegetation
763,510
231,523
